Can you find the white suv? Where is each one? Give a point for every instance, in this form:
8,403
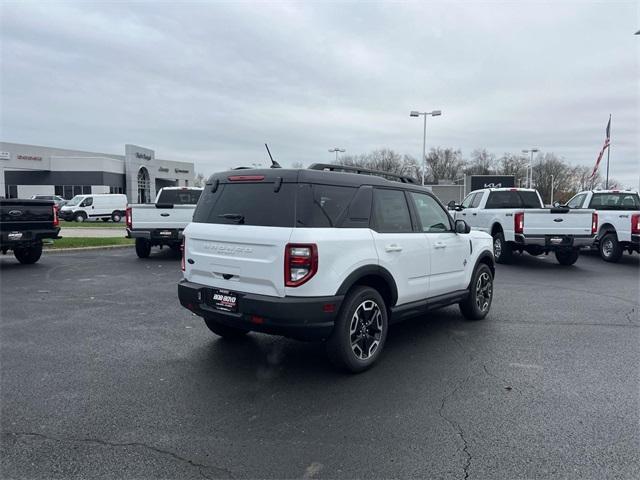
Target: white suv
317,254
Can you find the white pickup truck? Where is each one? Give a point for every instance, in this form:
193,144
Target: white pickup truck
162,223
618,223
517,221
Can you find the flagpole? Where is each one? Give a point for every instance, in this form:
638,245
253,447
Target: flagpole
606,182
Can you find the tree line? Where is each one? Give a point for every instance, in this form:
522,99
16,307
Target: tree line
448,164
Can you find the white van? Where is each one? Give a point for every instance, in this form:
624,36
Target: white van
92,207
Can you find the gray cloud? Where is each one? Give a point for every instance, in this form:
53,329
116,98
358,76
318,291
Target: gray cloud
212,82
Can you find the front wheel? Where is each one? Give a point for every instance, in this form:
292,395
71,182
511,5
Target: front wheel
502,250
359,332
224,330
477,304
28,255
610,249
143,247
80,217
116,217
567,257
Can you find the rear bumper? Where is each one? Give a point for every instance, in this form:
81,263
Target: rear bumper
159,236
635,242
24,238
296,317
543,241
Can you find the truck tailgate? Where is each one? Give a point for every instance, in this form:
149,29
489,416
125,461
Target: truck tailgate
149,217
541,222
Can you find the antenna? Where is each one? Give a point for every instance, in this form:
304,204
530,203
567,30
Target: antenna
274,164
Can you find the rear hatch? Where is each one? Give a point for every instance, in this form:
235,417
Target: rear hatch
542,222
26,217
241,227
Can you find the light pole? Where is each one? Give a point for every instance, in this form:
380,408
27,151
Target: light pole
415,113
530,168
336,150
551,191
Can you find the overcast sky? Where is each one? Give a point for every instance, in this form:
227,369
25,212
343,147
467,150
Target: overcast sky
211,82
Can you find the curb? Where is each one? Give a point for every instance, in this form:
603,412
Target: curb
80,249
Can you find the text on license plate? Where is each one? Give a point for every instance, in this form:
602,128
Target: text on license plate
225,300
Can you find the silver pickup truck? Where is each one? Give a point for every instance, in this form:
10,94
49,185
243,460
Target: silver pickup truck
517,221
162,223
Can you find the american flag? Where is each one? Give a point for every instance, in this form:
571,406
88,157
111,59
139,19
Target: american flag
607,142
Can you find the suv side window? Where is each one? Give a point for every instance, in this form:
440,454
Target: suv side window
466,203
390,212
576,202
476,200
432,216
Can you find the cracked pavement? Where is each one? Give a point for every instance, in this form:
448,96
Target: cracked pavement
105,376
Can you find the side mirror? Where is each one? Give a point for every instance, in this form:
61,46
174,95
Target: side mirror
451,205
556,204
462,226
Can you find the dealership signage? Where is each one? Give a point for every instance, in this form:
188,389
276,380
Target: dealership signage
5,156
163,169
180,170
28,157
492,181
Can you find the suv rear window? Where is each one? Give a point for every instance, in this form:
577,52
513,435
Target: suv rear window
513,199
259,204
180,197
615,201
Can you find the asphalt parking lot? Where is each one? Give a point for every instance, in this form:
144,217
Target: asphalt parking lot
104,375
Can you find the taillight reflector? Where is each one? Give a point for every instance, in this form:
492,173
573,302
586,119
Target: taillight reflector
518,222
56,220
594,223
127,217
300,263
246,178
635,224
184,253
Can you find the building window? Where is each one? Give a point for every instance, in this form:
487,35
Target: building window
77,190
11,191
86,189
59,190
144,186
186,183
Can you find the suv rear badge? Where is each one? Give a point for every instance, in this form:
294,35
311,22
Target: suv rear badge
15,213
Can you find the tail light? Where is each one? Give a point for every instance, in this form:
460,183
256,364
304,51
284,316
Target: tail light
300,263
594,223
56,220
246,178
518,222
127,218
635,224
184,252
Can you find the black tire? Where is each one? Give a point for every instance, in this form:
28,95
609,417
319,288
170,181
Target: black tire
176,247
28,255
116,217
143,247
224,330
610,249
567,257
80,217
478,303
502,250
361,323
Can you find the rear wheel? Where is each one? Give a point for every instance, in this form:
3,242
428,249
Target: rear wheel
477,304
224,330
116,217
28,255
610,249
143,247
567,257
501,249
360,330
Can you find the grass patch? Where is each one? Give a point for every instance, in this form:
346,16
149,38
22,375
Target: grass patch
92,224
89,242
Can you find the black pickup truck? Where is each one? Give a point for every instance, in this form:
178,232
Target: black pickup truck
23,225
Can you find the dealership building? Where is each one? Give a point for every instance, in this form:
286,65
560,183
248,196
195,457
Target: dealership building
27,170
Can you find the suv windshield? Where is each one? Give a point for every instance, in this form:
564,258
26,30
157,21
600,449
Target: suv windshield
180,197
615,201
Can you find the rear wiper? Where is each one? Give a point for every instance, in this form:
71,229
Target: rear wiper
236,217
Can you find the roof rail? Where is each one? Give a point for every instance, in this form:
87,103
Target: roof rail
394,177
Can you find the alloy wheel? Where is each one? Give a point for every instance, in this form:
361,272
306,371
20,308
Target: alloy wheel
484,291
497,247
366,329
607,247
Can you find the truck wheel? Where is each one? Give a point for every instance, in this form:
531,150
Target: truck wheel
28,255
567,257
223,330
143,247
359,332
116,217
477,304
80,217
610,249
501,249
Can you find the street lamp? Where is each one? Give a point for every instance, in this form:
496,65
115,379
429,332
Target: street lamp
336,150
530,168
415,113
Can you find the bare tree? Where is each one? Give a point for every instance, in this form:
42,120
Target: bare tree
199,180
549,166
513,164
444,163
482,163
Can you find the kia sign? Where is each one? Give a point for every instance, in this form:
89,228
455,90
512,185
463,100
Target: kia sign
492,181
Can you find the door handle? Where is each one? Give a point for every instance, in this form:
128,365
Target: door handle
439,245
474,214
393,248
464,214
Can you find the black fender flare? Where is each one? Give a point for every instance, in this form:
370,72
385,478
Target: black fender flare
604,229
370,270
485,257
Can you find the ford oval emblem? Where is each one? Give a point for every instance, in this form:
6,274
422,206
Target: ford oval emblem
15,213
558,220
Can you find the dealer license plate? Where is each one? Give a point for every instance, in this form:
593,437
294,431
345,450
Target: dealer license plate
15,236
225,300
